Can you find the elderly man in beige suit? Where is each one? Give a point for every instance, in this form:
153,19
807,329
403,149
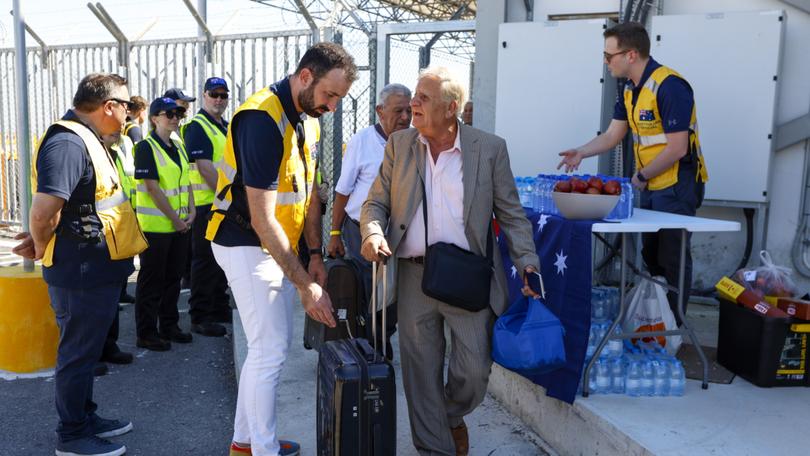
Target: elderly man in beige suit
467,179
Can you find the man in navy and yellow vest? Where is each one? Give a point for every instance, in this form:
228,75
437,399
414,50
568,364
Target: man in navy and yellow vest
264,202
658,106
86,233
204,138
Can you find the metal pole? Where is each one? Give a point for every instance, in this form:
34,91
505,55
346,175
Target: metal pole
202,9
23,140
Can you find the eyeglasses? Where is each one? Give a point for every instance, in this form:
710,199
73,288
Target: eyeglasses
220,95
126,103
172,114
609,56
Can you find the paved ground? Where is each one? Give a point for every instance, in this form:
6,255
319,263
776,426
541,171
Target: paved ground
180,402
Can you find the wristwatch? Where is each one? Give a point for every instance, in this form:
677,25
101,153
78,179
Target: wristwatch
641,177
317,251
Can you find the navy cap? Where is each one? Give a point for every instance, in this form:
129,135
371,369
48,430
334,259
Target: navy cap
215,83
177,94
163,104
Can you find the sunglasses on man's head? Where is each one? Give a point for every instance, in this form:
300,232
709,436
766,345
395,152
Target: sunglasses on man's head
220,95
172,114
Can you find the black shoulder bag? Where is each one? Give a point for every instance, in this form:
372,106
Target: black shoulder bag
456,276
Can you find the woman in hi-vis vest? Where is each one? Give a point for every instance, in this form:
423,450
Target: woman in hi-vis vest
165,207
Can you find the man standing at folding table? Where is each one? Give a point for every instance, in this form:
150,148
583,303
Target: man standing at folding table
659,106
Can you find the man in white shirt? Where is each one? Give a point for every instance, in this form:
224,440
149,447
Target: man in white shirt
467,179
359,168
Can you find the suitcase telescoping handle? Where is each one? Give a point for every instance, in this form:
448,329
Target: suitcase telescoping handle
383,260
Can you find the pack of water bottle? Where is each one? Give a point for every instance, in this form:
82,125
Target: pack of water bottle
605,302
535,193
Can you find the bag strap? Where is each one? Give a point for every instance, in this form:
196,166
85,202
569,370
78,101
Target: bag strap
425,217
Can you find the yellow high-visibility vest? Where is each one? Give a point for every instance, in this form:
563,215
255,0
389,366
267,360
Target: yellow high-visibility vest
295,176
203,194
173,181
649,138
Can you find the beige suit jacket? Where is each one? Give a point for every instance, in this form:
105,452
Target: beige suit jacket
489,188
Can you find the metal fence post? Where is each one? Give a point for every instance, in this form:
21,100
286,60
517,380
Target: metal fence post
23,132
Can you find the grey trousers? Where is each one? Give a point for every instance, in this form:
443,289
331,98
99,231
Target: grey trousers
433,405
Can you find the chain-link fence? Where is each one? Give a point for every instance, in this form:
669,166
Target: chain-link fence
248,62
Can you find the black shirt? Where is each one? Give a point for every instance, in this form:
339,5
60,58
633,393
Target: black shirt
197,143
145,164
65,170
258,149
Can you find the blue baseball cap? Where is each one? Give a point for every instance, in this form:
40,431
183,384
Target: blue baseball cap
215,83
163,104
177,94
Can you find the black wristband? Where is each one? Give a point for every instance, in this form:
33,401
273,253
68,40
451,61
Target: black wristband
641,177
318,251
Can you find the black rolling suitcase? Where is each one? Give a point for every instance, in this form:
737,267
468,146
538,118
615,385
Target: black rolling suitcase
357,414
344,284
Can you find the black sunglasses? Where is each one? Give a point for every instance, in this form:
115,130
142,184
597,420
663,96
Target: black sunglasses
127,104
172,114
220,95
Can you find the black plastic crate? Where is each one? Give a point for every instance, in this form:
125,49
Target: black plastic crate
752,346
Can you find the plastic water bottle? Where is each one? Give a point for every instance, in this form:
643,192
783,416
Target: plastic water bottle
615,346
592,384
603,374
601,331
661,371
647,378
627,198
633,380
597,305
592,342
677,378
618,375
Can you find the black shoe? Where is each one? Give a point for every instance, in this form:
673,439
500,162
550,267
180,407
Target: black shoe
118,357
127,298
176,335
153,343
209,329
99,369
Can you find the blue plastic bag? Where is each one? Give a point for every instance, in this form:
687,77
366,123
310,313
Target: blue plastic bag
528,338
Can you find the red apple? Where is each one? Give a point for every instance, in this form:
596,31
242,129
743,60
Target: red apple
578,185
562,186
612,187
595,182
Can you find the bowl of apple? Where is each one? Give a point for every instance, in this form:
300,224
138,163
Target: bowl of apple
591,199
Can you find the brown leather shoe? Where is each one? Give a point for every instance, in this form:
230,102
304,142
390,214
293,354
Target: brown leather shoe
461,439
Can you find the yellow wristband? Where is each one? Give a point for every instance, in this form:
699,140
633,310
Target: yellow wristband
335,233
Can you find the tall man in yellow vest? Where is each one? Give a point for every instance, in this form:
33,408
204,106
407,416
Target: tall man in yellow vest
659,106
264,202
204,138
77,206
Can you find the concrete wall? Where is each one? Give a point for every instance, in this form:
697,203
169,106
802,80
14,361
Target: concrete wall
714,254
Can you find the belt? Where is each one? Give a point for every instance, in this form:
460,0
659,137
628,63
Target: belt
417,260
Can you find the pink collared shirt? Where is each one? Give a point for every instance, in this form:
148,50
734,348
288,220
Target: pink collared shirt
444,186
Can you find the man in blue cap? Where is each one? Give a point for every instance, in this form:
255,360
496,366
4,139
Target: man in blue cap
204,137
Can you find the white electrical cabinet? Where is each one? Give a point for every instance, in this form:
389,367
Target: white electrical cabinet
553,92
732,62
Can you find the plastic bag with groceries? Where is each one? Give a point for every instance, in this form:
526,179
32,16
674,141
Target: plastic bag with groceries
768,279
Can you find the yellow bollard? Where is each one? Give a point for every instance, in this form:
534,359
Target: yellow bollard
28,331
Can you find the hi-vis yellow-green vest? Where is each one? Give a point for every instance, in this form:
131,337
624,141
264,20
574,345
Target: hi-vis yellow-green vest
122,234
174,183
649,138
203,194
296,171
124,163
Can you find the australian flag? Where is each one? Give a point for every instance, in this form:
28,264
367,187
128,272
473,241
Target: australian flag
646,114
564,248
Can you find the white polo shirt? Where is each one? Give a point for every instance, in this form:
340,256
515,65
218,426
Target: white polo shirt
359,168
444,186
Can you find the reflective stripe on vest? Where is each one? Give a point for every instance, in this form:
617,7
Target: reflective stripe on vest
174,183
202,193
292,192
122,234
649,137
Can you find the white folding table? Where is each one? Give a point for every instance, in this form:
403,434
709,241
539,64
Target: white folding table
647,221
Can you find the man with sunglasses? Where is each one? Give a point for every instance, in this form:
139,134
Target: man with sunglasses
658,106
77,186
204,137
